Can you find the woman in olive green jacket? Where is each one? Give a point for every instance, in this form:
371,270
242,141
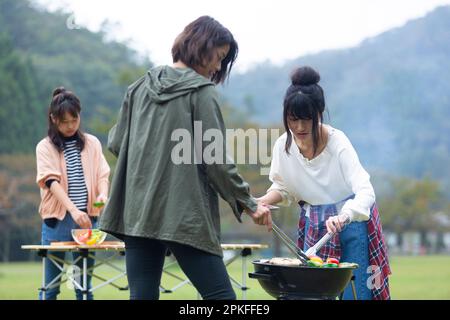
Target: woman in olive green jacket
158,202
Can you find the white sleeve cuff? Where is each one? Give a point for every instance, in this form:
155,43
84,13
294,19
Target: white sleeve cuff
355,213
287,199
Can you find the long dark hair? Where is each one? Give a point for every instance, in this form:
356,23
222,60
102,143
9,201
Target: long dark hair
196,43
63,101
304,99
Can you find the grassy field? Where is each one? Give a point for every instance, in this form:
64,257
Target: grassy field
420,278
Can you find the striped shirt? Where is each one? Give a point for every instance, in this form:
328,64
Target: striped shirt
77,187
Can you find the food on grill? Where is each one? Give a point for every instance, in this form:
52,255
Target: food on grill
329,265
348,265
314,261
317,261
283,261
333,261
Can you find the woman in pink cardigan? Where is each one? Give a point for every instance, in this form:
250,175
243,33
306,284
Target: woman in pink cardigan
72,174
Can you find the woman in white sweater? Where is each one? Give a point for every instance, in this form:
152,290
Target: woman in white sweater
315,165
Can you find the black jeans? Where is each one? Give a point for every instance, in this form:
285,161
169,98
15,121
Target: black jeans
145,261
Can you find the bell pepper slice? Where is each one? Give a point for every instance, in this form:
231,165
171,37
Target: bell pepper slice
332,260
317,259
330,265
312,263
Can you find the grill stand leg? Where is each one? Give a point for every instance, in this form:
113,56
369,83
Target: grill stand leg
245,253
355,297
352,282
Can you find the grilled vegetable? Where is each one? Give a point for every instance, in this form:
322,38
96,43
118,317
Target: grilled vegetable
313,263
316,259
332,260
348,265
330,265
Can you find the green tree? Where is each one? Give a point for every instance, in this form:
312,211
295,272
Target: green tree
20,97
413,206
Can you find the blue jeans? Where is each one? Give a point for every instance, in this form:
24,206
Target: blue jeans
62,232
354,242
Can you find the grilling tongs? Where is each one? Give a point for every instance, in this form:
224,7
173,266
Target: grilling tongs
291,245
313,250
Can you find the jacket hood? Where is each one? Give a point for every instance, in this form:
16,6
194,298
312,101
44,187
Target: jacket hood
165,83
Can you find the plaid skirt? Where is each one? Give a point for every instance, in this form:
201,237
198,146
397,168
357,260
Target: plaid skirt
378,256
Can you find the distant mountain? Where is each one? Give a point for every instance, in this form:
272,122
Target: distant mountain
390,94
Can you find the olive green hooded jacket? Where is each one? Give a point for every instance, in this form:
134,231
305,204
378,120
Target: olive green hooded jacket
154,196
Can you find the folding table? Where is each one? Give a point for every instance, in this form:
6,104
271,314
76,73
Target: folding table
86,251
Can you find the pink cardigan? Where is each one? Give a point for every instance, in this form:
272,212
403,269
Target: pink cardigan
52,165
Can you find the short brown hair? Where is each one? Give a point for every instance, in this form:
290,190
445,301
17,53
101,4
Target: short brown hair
195,44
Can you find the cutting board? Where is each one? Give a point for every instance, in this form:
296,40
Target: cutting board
73,243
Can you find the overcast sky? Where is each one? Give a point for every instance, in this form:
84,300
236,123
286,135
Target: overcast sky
273,30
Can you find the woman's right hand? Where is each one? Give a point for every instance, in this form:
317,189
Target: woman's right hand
336,223
262,216
81,218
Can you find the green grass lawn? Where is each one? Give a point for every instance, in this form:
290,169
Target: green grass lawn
426,277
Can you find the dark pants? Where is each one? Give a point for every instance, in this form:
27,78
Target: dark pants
145,261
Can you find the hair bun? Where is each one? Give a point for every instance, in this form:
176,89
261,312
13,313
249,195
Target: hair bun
305,76
58,91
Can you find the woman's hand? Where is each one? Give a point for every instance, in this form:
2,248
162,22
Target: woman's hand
261,216
336,223
81,218
101,198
